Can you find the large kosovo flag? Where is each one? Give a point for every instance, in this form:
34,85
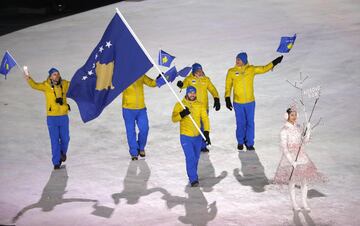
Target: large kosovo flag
115,63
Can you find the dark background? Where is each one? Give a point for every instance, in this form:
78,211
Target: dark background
19,14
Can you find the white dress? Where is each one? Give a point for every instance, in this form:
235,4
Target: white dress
290,141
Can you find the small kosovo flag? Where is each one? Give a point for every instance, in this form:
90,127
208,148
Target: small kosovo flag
165,59
170,76
286,44
7,63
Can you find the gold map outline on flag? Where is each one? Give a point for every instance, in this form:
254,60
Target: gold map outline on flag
104,74
164,59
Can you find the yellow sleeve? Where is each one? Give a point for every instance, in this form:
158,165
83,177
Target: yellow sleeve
263,69
176,113
228,84
35,85
186,83
205,119
212,89
149,82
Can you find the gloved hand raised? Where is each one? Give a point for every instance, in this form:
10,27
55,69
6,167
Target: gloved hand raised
228,103
277,60
207,140
185,112
216,103
180,84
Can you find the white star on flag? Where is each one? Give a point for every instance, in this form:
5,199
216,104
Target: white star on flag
84,77
90,72
108,44
101,49
93,65
96,56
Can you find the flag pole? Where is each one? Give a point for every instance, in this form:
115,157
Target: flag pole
157,68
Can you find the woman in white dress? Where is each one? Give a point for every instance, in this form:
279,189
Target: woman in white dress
292,139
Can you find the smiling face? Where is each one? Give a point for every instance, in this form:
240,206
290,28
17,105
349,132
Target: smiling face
55,76
191,96
292,117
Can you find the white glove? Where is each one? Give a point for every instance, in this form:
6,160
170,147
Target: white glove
26,72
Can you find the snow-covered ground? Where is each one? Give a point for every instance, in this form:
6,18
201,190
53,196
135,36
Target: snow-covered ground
101,186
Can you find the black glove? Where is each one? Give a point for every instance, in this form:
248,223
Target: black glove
207,140
185,112
159,76
216,103
277,60
180,84
228,103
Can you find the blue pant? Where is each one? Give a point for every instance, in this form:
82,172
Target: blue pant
58,127
203,143
192,149
245,125
139,117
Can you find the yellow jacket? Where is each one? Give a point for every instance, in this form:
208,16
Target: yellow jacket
133,96
242,79
53,108
202,85
198,112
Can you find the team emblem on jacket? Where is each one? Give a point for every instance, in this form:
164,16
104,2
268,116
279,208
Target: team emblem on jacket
193,81
237,73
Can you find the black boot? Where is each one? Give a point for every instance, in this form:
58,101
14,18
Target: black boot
133,158
56,167
142,153
204,149
250,148
63,157
240,147
195,184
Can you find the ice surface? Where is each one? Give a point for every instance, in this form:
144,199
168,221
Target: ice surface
234,186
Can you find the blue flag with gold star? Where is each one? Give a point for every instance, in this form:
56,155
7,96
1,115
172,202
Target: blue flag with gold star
6,64
116,62
165,59
286,44
170,76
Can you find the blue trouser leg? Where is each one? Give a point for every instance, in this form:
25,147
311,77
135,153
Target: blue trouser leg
192,148
250,123
240,122
203,143
143,125
129,116
64,133
54,132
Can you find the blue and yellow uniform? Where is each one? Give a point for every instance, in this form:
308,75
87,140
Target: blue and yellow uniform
57,115
190,137
134,111
241,80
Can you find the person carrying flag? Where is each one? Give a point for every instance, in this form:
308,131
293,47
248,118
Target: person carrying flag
134,111
241,77
190,137
57,108
203,84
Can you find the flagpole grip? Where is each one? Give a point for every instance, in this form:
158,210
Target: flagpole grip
157,68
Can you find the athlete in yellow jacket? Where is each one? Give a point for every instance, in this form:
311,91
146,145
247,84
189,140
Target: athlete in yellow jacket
241,78
134,111
190,137
203,85
55,90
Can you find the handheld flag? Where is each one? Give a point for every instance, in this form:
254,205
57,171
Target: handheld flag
7,63
116,62
170,76
165,59
286,44
184,72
